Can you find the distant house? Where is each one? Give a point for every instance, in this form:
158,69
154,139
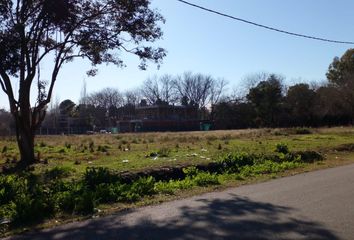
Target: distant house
161,118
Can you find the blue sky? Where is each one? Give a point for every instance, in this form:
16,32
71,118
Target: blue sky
202,42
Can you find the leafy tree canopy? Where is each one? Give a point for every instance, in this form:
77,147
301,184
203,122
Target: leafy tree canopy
57,32
341,70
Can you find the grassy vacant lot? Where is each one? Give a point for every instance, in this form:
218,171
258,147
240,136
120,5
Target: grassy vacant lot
134,152
78,176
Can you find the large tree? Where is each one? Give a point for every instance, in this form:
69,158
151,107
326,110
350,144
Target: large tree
159,90
106,98
58,31
341,71
300,100
198,89
341,75
266,98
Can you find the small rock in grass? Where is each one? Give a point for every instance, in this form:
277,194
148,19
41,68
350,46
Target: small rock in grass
125,161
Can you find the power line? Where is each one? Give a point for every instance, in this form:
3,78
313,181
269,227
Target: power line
264,26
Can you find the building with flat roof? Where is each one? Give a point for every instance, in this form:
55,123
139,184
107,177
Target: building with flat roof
161,118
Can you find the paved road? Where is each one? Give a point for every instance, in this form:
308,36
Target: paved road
316,205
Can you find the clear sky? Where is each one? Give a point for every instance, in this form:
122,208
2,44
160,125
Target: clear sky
199,41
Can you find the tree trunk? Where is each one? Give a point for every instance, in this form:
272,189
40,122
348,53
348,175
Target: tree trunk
25,141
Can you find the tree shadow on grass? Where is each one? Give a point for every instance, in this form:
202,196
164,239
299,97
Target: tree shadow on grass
234,218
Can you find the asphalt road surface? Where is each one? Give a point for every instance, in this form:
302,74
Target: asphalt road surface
315,205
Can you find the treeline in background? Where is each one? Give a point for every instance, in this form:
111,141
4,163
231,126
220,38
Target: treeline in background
264,101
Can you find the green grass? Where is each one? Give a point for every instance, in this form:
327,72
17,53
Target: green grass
79,174
29,198
132,152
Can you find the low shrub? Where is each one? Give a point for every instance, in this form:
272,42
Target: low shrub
57,172
139,188
11,187
190,172
309,156
107,193
282,148
205,179
232,162
171,186
268,167
194,177
23,199
95,176
33,205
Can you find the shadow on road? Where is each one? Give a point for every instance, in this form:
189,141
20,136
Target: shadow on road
234,218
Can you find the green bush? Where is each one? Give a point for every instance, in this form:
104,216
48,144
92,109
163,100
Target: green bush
95,176
74,197
8,211
85,203
190,171
309,156
10,187
193,178
143,186
33,206
268,167
232,162
171,186
206,179
106,193
282,148
57,172
24,199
